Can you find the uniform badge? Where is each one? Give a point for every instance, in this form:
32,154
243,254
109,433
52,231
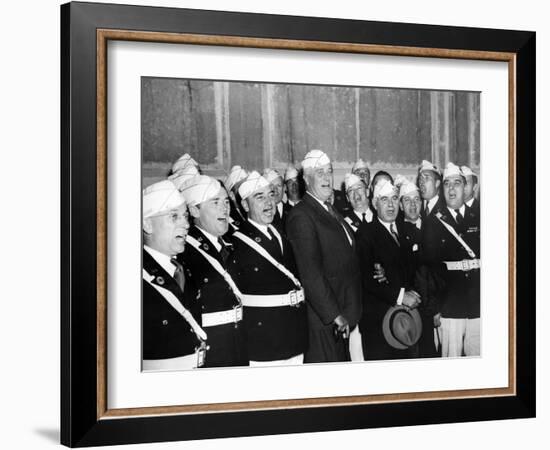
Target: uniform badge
257,239
205,247
160,280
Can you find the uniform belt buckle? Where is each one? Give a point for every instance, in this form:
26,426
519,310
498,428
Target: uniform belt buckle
301,296
465,265
238,313
293,295
201,354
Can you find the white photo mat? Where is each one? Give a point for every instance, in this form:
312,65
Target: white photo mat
128,387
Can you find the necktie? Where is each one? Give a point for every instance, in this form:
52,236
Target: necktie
223,251
274,241
363,217
338,217
179,276
459,218
394,234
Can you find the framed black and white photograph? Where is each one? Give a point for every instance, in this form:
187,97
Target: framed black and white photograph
280,224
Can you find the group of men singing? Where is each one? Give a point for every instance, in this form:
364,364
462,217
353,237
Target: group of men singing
282,268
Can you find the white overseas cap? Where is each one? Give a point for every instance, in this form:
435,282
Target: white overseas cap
350,180
290,173
384,188
200,189
467,172
407,188
161,197
400,180
452,170
427,165
359,164
315,158
182,175
236,174
184,161
270,175
254,182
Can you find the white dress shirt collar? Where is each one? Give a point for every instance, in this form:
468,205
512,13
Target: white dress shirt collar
213,239
162,259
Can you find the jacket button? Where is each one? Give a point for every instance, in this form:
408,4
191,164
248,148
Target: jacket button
467,275
259,324
206,280
165,322
255,269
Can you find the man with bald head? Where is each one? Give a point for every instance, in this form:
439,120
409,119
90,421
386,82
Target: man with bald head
324,247
172,336
206,257
451,246
263,267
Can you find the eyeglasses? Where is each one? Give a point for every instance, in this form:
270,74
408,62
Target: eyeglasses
174,216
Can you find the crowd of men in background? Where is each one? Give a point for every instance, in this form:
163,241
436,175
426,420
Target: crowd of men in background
282,268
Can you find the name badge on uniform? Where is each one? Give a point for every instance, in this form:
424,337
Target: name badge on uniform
415,247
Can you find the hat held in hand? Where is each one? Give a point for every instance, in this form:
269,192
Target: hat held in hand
402,326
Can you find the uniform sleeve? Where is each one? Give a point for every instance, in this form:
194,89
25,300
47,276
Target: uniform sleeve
304,240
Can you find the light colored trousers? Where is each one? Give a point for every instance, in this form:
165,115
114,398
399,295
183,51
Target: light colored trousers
460,337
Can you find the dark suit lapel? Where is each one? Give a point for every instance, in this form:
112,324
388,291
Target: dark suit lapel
326,217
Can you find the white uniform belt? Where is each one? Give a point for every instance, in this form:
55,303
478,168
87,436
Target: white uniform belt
464,265
258,301
222,317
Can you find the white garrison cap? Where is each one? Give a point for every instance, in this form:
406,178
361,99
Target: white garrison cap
182,175
184,161
400,180
351,180
270,175
315,158
359,164
384,188
452,170
427,165
236,174
290,173
407,188
254,182
161,197
200,189
467,172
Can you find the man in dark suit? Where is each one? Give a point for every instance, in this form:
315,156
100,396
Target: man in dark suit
281,208
294,185
411,204
324,247
383,243
429,183
262,264
451,248
357,194
172,337
206,257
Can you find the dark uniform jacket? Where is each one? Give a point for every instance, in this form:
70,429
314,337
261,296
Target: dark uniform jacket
459,295
165,333
377,246
227,345
427,284
329,271
279,221
440,205
273,333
